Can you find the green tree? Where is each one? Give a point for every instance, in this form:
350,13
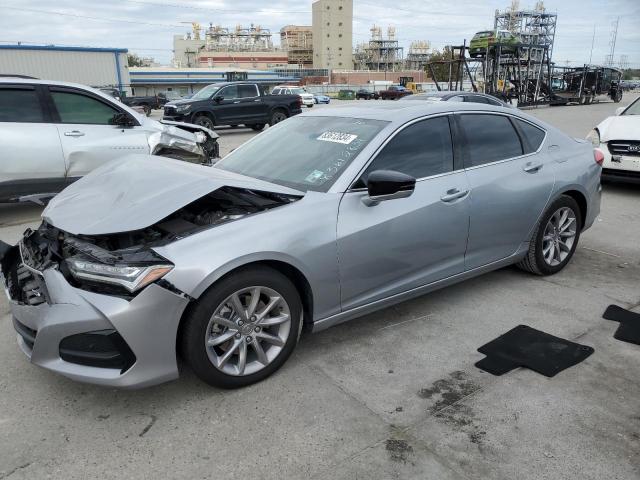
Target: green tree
440,62
134,60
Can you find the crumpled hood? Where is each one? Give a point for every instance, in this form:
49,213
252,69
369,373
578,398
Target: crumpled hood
137,191
624,127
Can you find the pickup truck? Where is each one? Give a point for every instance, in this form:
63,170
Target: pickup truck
147,103
234,103
394,93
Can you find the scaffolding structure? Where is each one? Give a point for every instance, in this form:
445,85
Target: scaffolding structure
509,70
418,55
239,39
298,42
380,53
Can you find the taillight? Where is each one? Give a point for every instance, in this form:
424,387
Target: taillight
598,156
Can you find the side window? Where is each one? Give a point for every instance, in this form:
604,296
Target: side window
489,138
457,98
420,150
20,105
229,93
533,136
78,108
245,91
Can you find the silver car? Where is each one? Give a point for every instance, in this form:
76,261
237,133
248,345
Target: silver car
53,133
325,217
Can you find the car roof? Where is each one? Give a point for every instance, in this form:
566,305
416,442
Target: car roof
402,112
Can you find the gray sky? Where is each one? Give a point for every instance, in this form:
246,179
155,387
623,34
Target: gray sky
147,27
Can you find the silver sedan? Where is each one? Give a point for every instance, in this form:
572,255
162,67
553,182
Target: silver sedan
325,217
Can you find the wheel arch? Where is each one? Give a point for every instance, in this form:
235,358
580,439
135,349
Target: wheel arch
203,111
580,199
293,273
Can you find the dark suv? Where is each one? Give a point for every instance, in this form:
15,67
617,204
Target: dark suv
234,103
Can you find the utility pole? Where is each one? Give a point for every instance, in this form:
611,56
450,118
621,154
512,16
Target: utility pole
612,43
593,39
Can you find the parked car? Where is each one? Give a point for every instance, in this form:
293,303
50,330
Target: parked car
319,98
485,41
307,98
395,92
53,133
318,220
470,97
367,95
234,103
618,138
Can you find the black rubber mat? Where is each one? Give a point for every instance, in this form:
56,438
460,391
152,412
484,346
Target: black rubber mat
629,329
527,347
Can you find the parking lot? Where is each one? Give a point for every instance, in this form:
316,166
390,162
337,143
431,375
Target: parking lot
394,394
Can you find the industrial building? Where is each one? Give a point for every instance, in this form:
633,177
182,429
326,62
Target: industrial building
381,53
297,40
186,51
96,67
332,25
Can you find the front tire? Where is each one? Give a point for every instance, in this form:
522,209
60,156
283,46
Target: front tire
555,238
242,329
204,121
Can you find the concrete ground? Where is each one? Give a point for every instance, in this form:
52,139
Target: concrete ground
394,394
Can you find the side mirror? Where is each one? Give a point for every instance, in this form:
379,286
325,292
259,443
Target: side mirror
619,110
387,185
121,119
218,98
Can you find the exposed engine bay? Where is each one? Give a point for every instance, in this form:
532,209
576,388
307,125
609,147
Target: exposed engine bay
117,254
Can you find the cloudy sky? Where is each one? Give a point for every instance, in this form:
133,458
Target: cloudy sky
146,27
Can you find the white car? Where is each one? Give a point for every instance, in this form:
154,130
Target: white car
307,98
53,133
618,138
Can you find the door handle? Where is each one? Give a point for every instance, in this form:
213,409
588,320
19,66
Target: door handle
532,167
74,133
454,194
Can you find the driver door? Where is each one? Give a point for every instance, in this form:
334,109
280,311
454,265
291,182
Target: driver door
405,243
228,106
88,140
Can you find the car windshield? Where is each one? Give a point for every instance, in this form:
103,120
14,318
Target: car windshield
206,92
298,91
633,109
305,153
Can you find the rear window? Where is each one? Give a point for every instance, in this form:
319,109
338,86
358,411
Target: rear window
533,136
20,105
490,138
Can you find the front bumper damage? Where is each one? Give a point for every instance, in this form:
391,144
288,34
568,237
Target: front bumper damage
89,336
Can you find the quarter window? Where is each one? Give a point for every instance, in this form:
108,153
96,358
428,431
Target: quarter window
490,138
421,150
20,105
77,108
533,136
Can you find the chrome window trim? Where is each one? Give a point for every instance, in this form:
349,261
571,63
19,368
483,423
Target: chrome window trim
391,137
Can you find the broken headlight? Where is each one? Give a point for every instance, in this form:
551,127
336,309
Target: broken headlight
128,276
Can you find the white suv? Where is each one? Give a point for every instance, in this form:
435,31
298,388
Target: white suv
53,133
307,98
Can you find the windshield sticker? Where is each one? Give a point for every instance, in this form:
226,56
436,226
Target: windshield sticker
337,137
314,176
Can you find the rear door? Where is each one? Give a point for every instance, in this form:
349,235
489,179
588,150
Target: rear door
252,105
511,179
32,160
88,139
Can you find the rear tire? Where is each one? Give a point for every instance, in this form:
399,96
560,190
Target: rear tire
258,127
554,239
277,117
205,340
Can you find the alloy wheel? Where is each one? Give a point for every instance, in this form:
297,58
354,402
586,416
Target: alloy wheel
559,236
248,330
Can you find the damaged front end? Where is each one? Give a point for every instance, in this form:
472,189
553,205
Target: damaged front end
122,264
176,140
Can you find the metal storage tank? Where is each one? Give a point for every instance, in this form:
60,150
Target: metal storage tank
96,67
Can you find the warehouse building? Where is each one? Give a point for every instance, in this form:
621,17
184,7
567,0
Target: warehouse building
96,67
